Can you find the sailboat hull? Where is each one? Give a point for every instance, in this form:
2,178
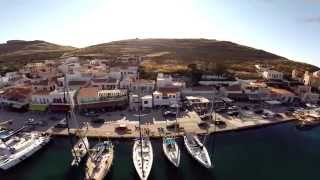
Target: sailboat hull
197,150
143,161
18,157
171,151
99,164
79,151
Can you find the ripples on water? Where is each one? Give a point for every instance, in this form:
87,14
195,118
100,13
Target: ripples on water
271,153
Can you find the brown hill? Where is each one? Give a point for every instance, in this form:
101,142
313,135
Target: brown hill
174,55
15,53
160,55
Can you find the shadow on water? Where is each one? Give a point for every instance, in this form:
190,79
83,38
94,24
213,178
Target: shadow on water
275,152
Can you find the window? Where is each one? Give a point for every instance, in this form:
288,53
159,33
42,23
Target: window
145,102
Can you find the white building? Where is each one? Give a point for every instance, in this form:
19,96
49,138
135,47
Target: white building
138,86
122,72
256,91
272,75
306,95
54,97
105,83
112,93
69,67
3,81
147,101
166,96
166,80
13,76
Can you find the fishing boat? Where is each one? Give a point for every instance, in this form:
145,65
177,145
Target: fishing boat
100,161
79,150
171,150
197,150
19,148
142,157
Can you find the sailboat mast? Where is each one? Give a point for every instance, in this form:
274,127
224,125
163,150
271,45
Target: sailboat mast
140,133
175,127
73,117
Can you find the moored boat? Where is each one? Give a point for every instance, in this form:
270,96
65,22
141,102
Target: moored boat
142,157
197,150
18,148
100,161
171,150
79,150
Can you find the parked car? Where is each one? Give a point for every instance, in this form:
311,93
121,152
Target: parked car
32,122
291,109
98,120
258,111
220,110
232,108
233,113
62,124
169,114
90,114
53,118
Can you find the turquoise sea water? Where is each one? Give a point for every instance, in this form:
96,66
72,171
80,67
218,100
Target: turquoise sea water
271,153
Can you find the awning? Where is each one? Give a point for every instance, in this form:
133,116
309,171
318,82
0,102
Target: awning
38,107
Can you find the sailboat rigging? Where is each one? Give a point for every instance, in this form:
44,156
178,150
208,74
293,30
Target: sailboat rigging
142,153
80,149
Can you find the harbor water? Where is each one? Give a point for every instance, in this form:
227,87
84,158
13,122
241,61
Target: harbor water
275,152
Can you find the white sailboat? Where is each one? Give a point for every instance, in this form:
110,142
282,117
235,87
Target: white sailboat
170,146
197,150
142,157
18,148
171,150
79,150
100,161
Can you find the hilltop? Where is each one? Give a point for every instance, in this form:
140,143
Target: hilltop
175,55
15,53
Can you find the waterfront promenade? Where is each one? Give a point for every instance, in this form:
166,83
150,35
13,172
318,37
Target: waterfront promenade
189,122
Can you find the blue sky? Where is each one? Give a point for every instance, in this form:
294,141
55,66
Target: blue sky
289,28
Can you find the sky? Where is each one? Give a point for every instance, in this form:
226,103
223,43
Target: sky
290,28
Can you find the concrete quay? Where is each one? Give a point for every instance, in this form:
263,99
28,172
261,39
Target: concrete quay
156,129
